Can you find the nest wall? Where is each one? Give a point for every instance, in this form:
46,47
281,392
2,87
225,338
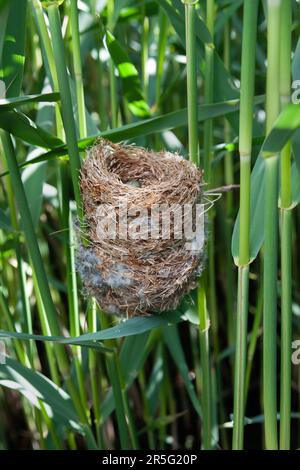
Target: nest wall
134,273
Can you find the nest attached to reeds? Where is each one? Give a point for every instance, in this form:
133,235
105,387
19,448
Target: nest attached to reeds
136,276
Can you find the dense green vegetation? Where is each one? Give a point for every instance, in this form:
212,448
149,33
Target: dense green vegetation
211,80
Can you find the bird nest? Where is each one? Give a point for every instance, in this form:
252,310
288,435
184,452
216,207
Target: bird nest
137,258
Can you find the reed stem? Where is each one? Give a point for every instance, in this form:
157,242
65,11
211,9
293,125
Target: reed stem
245,148
271,232
286,236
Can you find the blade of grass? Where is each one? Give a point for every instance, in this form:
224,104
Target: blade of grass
12,103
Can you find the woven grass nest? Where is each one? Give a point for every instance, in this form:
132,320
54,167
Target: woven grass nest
136,276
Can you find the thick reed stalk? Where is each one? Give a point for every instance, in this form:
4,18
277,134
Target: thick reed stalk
229,179
209,90
194,157
208,154
204,325
271,232
286,236
245,148
191,80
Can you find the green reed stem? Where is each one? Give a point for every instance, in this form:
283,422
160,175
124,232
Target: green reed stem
194,157
271,233
204,325
66,101
46,42
70,245
161,49
101,95
112,76
245,148
78,69
145,51
255,333
191,66
286,236
209,90
229,179
92,360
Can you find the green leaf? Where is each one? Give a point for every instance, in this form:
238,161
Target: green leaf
11,103
224,89
133,326
4,11
296,63
154,384
35,387
130,131
257,209
146,127
13,56
92,129
256,214
49,3
175,12
132,87
133,355
283,129
162,123
169,121
33,177
21,126
225,14
117,9
5,222
55,339
295,185
173,342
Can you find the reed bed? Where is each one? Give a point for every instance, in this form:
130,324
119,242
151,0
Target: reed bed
155,102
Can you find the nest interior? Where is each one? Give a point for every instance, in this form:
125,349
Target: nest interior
136,273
